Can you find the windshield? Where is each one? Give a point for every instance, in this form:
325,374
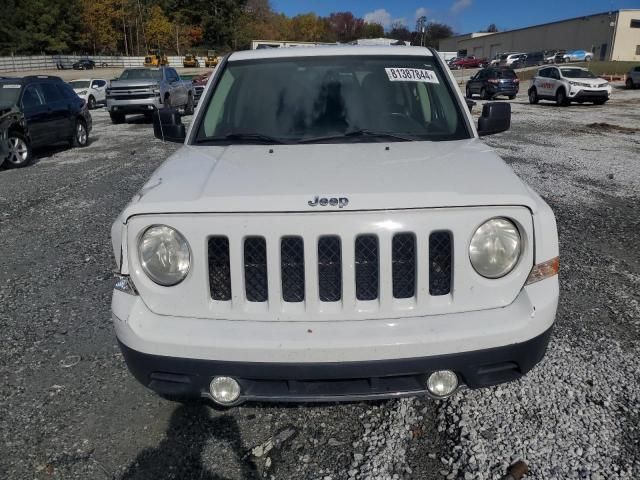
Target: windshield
79,84
576,73
306,98
9,92
141,74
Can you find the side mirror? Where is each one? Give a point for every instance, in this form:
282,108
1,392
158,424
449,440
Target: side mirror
495,118
167,125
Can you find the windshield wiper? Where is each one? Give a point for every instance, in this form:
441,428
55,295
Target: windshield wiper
359,133
242,137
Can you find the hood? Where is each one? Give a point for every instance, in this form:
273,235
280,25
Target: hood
145,82
287,178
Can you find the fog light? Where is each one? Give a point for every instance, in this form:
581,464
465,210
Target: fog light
442,383
224,390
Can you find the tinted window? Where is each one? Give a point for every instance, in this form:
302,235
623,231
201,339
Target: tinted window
297,99
553,73
544,73
504,74
79,84
66,91
576,73
99,83
9,92
32,96
51,93
172,75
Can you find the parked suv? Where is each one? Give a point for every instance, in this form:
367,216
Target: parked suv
144,90
491,82
532,59
91,90
37,111
633,78
568,84
348,236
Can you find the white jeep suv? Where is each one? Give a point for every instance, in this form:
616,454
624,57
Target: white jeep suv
333,229
568,84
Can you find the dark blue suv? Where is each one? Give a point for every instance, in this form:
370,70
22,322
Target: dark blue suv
36,111
491,82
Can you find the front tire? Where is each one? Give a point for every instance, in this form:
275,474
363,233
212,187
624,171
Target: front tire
600,102
91,102
561,98
20,154
80,134
533,96
629,84
469,94
511,97
483,94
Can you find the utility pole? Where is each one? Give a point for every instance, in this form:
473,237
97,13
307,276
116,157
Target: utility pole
177,40
421,28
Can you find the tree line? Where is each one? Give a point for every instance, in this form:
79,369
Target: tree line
132,27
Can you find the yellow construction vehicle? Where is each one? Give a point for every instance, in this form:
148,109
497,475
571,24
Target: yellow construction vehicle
190,61
155,58
211,60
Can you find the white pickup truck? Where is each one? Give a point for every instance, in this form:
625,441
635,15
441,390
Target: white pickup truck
145,90
333,229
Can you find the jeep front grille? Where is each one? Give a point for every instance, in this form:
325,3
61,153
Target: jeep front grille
363,256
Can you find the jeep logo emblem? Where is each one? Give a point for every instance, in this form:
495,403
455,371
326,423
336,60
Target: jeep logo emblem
339,202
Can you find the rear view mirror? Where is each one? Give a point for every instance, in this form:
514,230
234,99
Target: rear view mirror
167,125
495,118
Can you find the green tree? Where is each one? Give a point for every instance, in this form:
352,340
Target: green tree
159,30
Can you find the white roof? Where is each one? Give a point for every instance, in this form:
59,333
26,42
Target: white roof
330,51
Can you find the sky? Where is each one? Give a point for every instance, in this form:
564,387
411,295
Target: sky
463,15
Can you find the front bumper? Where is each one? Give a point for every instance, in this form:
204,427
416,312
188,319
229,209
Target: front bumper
139,105
330,361
590,95
334,381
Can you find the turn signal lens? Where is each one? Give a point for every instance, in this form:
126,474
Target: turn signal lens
544,270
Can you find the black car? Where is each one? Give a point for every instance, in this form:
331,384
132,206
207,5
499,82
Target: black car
491,82
36,111
532,59
84,64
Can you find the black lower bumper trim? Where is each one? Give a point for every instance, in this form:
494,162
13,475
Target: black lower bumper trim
339,380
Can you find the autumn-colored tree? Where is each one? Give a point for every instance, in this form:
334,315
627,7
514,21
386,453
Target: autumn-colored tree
399,31
308,27
159,30
195,34
99,18
345,26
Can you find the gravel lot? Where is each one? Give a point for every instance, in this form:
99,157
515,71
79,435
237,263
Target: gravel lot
71,410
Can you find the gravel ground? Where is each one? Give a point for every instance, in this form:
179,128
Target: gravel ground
72,411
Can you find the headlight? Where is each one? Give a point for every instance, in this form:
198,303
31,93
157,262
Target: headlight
83,92
164,254
495,248
156,91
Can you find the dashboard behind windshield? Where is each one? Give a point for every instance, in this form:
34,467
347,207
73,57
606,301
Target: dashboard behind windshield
303,98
